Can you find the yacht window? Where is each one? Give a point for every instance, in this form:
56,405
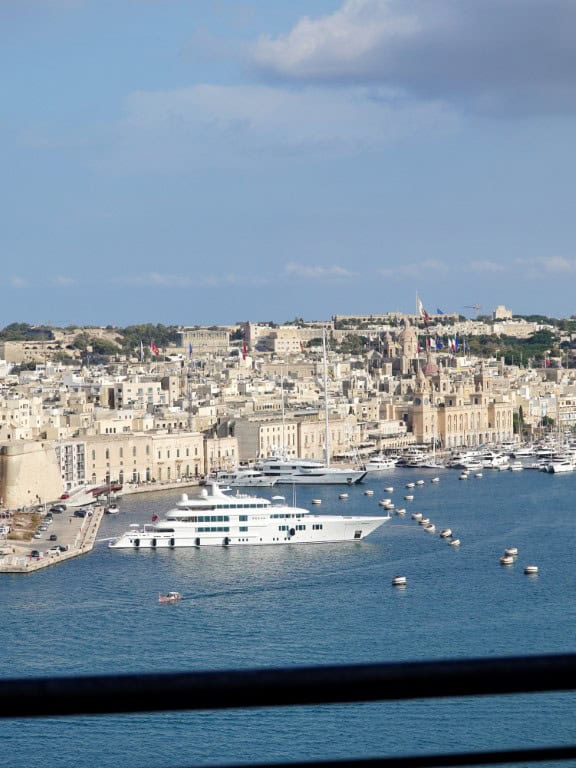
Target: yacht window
357,534
243,529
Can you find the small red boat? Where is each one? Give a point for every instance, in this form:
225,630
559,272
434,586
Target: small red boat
171,597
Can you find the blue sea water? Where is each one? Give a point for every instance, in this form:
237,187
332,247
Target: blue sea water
307,605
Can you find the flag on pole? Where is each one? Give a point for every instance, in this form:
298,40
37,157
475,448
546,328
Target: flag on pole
154,349
190,349
421,311
244,350
141,350
438,343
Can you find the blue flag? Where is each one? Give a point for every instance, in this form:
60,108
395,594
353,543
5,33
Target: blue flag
190,349
439,311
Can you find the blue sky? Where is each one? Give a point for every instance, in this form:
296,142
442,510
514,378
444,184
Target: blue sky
194,162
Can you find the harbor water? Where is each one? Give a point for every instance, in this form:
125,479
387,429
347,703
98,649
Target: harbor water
282,606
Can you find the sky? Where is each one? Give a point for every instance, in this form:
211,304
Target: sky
189,162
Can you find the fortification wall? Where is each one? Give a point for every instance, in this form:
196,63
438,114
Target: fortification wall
29,474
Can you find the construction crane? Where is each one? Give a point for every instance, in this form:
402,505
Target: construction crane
475,307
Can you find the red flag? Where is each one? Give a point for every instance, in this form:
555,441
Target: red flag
154,518
154,349
244,350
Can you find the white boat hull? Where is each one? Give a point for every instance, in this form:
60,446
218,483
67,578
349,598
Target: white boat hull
325,478
332,532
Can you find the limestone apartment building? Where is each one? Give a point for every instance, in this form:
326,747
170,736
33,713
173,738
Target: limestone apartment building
32,472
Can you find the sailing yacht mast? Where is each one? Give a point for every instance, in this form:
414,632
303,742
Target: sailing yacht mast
283,414
326,423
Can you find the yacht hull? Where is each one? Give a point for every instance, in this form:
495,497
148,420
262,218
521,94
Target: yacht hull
333,532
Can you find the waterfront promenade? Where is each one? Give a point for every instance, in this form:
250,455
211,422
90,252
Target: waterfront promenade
77,533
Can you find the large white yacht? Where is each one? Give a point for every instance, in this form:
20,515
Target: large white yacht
380,462
214,518
291,470
243,478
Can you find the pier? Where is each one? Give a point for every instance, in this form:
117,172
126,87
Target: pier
77,533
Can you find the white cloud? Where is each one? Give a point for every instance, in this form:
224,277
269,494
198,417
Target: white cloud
207,119
551,265
485,267
415,269
512,56
316,272
18,282
163,280
64,282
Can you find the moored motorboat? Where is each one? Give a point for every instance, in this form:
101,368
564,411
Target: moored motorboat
112,509
445,533
506,560
399,581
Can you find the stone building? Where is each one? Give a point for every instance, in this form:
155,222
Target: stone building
205,341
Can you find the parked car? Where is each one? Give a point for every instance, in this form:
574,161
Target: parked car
43,528
53,537
35,554
58,508
54,551
79,513
37,535
63,547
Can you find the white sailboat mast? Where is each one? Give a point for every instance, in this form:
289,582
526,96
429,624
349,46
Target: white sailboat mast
283,414
326,423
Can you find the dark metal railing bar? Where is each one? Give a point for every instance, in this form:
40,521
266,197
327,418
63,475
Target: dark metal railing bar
449,760
297,686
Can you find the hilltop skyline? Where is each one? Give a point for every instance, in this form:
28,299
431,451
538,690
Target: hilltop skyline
210,162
